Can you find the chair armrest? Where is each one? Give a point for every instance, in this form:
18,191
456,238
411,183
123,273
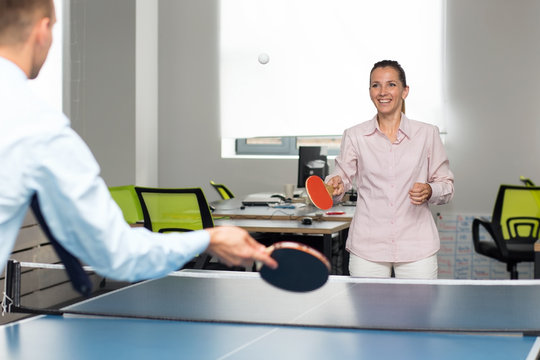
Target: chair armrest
488,225
174,230
202,260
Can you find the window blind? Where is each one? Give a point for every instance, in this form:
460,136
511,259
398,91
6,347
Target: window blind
301,67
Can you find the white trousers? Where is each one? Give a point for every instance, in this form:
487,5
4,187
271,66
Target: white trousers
422,269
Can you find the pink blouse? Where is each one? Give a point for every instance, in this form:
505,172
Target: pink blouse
386,227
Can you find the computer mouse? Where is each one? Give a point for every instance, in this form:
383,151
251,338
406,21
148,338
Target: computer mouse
281,197
307,221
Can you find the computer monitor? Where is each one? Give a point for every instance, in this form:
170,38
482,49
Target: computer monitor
311,161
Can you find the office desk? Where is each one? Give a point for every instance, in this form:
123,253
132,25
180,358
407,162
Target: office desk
236,315
233,209
324,228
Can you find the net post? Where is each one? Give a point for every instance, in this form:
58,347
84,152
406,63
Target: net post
12,286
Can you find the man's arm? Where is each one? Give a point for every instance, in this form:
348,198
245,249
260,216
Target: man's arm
84,218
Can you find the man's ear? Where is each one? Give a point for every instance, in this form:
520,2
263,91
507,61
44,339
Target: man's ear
42,29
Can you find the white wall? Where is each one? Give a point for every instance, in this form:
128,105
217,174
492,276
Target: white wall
102,83
493,74
493,64
190,148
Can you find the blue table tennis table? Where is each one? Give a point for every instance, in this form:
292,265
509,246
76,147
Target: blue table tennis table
236,315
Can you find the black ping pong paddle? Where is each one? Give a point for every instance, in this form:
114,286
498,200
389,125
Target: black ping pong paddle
300,267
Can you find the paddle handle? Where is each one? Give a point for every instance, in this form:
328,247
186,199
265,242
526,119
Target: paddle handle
329,188
259,264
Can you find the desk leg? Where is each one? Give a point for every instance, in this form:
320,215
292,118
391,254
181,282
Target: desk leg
344,253
340,256
334,250
327,250
536,264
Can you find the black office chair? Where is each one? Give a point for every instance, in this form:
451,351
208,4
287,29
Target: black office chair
222,190
526,181
514,227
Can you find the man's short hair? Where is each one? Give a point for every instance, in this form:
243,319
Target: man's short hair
18,16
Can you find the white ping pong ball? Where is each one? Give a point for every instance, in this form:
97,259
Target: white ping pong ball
264,58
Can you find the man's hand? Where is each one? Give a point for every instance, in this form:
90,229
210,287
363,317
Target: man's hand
420,193
337,184
235,247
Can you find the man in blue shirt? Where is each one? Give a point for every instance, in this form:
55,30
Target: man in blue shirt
41,155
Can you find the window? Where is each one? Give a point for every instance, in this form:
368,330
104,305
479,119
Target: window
287,145
299,69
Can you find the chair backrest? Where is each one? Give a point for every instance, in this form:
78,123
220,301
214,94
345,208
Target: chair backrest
127,200
222,190
166,210
517,211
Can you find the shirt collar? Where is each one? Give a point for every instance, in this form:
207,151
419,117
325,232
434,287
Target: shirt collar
404,126
9,68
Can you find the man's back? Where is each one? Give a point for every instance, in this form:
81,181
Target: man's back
22,134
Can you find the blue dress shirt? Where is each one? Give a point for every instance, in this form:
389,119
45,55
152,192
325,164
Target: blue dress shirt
40,153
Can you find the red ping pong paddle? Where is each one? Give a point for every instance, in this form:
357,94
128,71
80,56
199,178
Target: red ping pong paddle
300,267
319,193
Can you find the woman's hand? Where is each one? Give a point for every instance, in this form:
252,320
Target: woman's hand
420,193
337,184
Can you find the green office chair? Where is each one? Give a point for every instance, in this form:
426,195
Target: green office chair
127,200
222,190
514,227
170,210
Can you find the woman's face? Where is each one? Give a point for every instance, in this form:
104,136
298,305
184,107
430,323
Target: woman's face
387,91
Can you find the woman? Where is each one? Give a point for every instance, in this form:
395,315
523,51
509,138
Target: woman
400,166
